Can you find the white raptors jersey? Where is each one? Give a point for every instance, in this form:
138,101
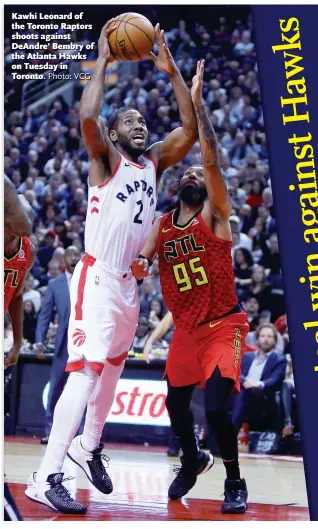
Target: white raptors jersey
120,213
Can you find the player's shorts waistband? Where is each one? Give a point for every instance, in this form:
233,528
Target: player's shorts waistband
89,260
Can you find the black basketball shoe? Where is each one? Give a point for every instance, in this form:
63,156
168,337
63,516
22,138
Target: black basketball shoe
53,494
187,474
93,465
235,501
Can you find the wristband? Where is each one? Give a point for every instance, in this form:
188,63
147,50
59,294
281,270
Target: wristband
150,263
140,256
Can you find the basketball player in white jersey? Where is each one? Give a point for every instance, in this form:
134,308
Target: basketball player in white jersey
104,298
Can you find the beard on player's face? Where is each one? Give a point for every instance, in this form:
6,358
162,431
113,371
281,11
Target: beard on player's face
192,196
128,145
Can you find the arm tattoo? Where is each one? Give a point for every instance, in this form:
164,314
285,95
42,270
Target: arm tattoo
15,217
208,140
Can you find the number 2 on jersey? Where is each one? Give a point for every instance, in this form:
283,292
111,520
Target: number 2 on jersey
137,220
183,279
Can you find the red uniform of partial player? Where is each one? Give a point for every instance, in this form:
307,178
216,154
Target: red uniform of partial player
197,282
14,270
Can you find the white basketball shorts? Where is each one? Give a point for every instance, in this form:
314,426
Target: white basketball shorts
104,315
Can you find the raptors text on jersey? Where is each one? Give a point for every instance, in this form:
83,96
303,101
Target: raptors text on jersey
120,213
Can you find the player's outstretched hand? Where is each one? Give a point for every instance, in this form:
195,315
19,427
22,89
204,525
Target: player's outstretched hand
147,351
164,61
197,85
12,357
103,45
140,268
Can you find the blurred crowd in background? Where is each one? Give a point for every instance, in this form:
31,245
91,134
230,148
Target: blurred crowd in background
47,162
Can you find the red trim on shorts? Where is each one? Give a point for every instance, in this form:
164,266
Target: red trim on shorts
114,173
94,198
118,359
74,366
96,366
155,165
87,260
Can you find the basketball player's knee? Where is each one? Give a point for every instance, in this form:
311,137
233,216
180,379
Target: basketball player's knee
173,406
85,378
216,417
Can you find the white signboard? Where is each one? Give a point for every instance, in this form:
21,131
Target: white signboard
136,402
140,402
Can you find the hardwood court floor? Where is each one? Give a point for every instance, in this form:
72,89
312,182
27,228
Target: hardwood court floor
141,477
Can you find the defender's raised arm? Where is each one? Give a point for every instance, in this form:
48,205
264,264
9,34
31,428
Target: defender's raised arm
217,191
178,143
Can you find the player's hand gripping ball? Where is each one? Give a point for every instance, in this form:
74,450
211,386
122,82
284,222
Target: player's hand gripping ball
133,38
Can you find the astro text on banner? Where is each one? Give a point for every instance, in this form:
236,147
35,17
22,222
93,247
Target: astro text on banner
288,73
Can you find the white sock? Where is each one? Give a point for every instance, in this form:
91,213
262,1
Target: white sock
67,418
99,406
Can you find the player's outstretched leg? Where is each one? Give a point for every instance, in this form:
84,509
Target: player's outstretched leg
46,485
217,393
193,461
86,450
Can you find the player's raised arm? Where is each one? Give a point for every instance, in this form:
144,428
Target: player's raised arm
93,131
17,221
178,143
217,191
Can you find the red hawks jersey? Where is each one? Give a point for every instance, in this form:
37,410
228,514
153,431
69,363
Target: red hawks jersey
196,271
14,270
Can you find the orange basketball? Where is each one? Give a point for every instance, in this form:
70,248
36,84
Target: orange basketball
133,39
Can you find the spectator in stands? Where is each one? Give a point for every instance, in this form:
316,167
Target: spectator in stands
246,222
237,195
244,240
155,275
251,307
270,259
148,292
270,223
54,270
288,392
265,317
45,253
30,294
255,199
141,335
36,184
61,233
78,204
29,321
260,289
262,374
242,267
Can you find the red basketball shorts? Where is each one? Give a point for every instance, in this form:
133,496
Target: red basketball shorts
194,356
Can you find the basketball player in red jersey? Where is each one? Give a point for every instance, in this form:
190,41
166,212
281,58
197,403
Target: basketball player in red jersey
19,258
193,244
122,196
